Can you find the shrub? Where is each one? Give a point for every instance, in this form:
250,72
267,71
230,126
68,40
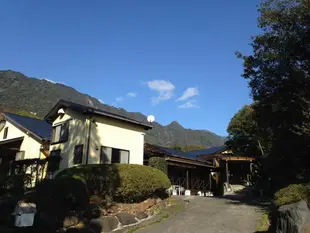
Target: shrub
159,163
59,196
292,193
121,182
139,182
100,179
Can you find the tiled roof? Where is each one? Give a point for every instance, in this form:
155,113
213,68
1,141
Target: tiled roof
208,151
193,155
38,127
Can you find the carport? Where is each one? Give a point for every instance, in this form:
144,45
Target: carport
184,169
233,169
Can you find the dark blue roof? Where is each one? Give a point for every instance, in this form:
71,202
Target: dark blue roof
194,155
39,127
173,152
209,151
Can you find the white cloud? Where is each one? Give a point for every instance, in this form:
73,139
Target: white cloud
188,93
101,101
189,104
119,99
164,89
132,94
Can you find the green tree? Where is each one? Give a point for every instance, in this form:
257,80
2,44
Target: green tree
278,74
192,147
187,148
243,133
177,147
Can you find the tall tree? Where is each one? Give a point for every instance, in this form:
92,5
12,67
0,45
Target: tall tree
278,72
243,134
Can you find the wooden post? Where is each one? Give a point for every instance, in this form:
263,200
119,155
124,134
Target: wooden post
227,174
187,184
210,181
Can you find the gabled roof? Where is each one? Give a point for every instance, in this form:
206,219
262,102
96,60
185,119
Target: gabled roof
39,129
52,115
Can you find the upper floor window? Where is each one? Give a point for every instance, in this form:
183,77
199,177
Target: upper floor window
60,133
113,155
5,132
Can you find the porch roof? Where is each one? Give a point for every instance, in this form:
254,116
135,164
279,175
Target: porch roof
10,144
175,155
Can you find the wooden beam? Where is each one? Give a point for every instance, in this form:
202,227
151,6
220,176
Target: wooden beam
188,161
237,158
187,181
181,165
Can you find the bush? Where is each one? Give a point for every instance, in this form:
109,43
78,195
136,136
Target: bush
159,163
100,179
59,196
121,182
292,193
139,182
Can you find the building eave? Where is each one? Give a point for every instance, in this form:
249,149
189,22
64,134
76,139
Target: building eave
51,115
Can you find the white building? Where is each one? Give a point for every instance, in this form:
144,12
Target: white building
85,135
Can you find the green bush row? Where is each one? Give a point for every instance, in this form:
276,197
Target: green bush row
159,163
292,193
121,182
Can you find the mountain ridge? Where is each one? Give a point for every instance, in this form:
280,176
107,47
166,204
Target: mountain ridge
39,95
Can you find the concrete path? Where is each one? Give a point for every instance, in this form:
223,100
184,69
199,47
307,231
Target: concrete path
231,214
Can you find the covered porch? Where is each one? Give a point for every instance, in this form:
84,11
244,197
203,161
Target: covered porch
232,169
183,170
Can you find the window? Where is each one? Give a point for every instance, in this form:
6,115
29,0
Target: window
60,133
113,155
78,154
5,132
20,155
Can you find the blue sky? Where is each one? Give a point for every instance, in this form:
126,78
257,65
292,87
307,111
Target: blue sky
173,59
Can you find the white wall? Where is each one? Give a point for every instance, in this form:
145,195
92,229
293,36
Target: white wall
77,135
105,132
116,134
29,145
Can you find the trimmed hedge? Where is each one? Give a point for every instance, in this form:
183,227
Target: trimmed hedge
292,193
159,163
121,182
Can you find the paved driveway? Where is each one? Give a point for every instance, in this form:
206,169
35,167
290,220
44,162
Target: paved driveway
211,215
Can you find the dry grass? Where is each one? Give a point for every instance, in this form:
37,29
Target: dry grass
264,224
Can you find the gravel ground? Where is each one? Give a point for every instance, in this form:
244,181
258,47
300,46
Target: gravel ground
231,214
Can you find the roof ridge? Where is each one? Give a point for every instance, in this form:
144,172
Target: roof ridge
98,109
92,110
34,118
